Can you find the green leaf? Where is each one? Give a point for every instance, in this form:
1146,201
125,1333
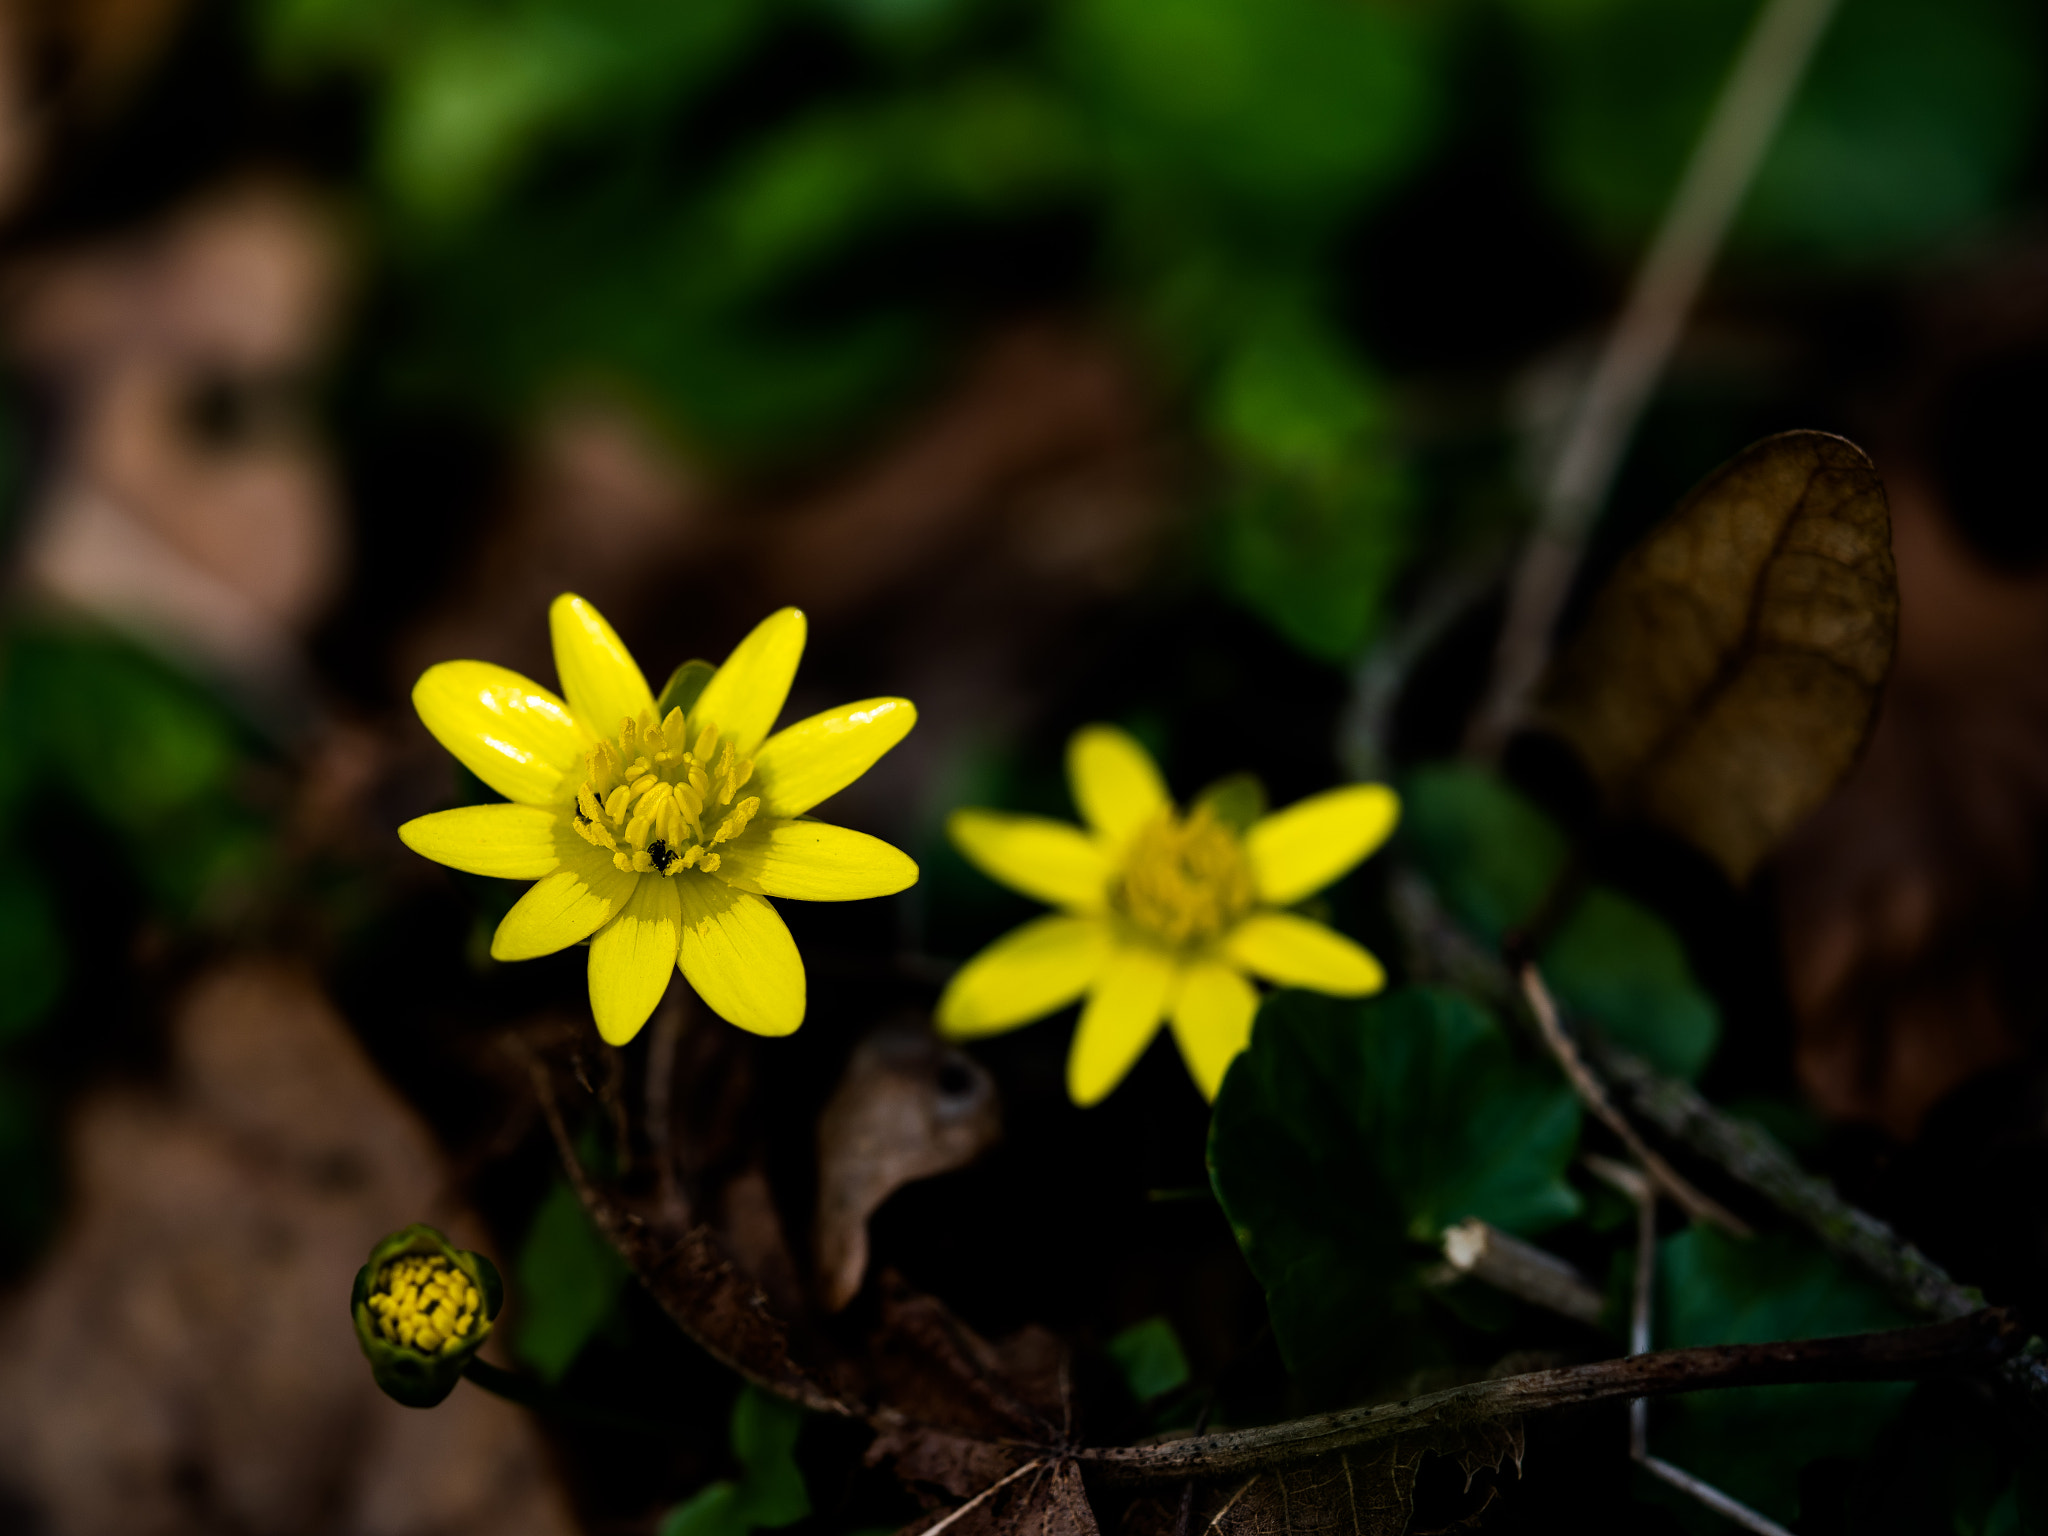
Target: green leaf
569,1278
1349,1135
1752,1442
1150,1356
1494,859
712,1510
1491,855
1621,966
1315,516
764,1434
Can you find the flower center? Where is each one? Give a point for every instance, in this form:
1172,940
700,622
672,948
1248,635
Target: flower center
1185,881
659,808
425,1303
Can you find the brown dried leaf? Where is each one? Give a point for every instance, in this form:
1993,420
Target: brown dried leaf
1729,673
1044,1497
907,1108
931,1368
1369,1491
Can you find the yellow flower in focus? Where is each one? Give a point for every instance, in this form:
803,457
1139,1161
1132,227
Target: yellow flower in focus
658,829
1164,916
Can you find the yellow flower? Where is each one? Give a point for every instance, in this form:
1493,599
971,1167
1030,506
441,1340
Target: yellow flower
657,831
1164,916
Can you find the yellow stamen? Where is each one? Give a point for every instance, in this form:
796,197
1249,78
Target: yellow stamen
424,1302
647,799
1186,882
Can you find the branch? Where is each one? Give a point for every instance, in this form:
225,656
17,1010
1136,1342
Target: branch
1593,1094
1982,1341
1753,1157
1731,146
1742,1149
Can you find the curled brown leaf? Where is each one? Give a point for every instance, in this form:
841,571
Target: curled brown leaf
907,1108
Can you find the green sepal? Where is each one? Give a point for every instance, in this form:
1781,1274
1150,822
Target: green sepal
410,1376
1237,800
683,687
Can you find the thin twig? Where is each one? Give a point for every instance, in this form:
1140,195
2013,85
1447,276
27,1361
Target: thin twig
1753,1157
1719,1502
1480,1251
1731,146
1631,1182
988,1492
1380,676
1439,949
1976,1343
565,1145
1593,1094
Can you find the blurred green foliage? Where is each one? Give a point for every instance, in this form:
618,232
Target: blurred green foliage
1150,1357
568,1281
769,1492
122,799
1917,120
696,202
753,213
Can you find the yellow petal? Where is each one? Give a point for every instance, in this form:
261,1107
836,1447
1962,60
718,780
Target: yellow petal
1048,859
1027,973
564,908
598,673
1296,852
803,763
1114,781
632,958
746,694
1212,1021
811,861
1119,1020
1294,952
513,842
739,956
508,731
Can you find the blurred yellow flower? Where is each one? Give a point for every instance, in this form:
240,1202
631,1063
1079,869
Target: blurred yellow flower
657,830
1164,915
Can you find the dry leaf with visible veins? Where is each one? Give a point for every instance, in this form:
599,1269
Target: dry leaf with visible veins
1730,670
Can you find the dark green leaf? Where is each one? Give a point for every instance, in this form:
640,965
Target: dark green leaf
1491,855
1623,968
1752,1442
764,1435
1494,858
569,1277
1349,1135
